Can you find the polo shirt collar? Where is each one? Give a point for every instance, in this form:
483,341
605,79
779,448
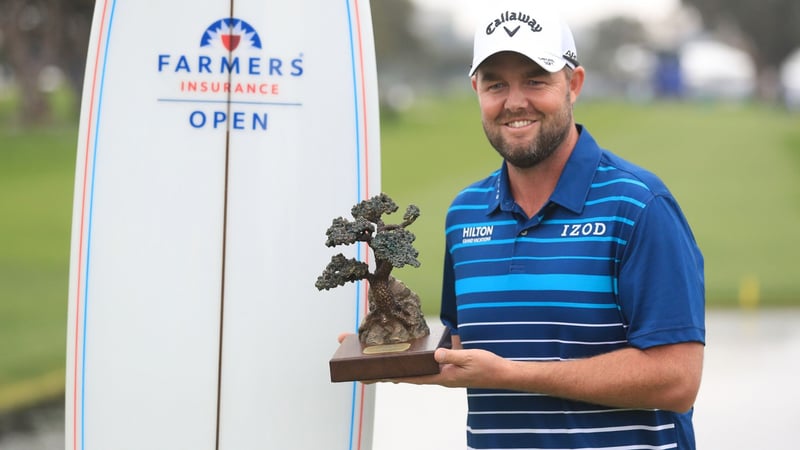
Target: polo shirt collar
573,185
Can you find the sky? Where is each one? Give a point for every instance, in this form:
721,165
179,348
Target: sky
575,12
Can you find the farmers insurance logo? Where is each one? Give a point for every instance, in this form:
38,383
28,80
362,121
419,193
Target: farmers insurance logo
229,33
232,63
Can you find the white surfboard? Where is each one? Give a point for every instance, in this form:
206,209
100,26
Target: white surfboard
217,141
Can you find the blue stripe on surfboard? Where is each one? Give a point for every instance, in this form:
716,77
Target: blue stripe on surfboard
90,221
354,395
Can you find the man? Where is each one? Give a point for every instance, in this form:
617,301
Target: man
572,281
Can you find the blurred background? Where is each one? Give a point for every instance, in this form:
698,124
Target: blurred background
705,93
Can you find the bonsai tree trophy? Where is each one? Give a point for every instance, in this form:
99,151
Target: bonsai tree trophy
393,339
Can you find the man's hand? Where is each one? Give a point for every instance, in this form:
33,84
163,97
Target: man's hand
464,368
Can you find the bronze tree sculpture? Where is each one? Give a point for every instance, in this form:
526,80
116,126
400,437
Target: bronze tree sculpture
395,313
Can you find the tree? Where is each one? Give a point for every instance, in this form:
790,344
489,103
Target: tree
395,313
35,34
598,48
41,33
395,40
771,29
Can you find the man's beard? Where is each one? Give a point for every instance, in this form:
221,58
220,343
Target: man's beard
551,134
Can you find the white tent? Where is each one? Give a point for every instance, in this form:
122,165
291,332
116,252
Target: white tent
715,70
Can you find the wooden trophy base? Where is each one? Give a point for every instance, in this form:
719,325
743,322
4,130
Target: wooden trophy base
354,361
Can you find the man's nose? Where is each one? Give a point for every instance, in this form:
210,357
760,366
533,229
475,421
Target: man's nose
516,99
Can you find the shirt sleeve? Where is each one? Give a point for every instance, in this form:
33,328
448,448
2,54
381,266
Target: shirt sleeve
448,312
661,279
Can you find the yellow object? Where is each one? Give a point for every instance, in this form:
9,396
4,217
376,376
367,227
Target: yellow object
25,393
749,292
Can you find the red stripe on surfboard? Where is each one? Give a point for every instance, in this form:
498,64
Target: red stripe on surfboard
363,100
365,121
82,232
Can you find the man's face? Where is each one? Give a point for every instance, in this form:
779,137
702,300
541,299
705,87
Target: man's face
526,111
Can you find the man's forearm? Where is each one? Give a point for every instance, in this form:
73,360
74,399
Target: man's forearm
665,377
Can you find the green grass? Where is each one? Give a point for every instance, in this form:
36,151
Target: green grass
36,173
735,171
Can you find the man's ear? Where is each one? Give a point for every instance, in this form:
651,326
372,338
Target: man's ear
576,83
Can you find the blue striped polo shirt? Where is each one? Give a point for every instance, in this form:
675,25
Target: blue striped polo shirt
609,262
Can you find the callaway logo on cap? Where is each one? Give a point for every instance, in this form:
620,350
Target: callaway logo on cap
525,27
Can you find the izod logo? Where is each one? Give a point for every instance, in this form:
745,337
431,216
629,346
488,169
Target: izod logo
586,229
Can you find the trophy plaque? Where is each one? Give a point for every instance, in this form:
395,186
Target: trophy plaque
355,361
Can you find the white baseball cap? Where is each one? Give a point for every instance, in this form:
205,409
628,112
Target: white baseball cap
525,27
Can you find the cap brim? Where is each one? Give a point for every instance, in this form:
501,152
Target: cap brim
550,63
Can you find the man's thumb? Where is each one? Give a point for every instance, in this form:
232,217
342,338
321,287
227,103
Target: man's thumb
443,356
